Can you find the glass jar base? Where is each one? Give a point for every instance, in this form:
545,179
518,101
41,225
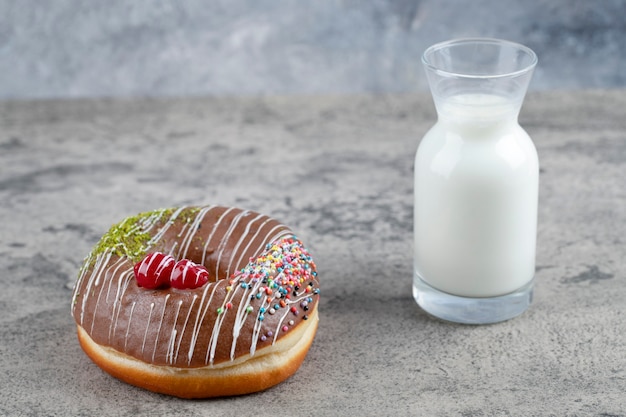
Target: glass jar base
467,310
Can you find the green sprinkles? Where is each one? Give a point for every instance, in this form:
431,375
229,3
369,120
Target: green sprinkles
128,237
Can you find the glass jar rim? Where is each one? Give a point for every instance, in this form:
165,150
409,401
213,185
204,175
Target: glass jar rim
477,41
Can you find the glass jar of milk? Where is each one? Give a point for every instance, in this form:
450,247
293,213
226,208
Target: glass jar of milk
476,185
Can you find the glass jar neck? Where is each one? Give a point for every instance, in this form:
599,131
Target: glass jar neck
477,112
478,130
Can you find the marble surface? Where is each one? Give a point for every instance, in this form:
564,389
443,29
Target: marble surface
74,48
338,169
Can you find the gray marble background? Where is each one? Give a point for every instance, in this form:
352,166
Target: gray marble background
73,48
338,170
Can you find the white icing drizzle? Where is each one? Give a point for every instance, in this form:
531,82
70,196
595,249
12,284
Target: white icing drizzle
106,299
255,333
155,218
199,319
257,322
182,333
130,318
210,354
145,334
124,280
114,270
79,281
169,356
170,349
268,238
115,267
239,318
236,294
242,238
245,250
192,228
208,239
280,322
156,339
100,261
103,259
225,237
239,321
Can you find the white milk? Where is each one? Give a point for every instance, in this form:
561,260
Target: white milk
476,186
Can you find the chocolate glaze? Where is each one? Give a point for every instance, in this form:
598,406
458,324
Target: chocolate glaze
219,322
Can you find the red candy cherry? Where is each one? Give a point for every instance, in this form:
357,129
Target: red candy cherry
154,270
158,270
188,275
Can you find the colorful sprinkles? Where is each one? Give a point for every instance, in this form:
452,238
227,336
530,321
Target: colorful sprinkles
280,283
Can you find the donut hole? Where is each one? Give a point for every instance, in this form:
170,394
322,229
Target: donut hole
223,240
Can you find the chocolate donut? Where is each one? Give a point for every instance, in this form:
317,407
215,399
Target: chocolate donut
246,329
